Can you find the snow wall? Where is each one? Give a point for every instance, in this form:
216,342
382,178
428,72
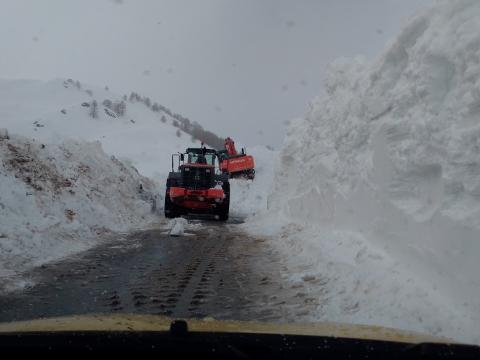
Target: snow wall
387,166
57,199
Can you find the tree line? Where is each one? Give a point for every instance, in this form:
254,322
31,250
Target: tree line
119,108
194,129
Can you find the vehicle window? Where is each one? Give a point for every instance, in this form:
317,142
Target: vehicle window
282,162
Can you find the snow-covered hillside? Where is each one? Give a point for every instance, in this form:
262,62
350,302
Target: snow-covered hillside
57,199
55,110
378,187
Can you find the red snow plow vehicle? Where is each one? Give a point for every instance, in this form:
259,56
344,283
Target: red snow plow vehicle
234,164
195,187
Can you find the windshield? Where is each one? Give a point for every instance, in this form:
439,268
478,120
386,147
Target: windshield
345,140
195,158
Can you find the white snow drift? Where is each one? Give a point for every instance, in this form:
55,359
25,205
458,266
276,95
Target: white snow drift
56,199
386,207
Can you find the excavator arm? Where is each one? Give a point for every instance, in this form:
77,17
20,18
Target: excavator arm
230,147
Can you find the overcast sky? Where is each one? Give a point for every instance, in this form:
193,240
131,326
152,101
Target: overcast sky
239,67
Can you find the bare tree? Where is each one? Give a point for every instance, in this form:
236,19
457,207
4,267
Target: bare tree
94,109
107,103
147,101
120,108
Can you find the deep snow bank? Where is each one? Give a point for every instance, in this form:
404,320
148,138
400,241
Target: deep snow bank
56,199
380,183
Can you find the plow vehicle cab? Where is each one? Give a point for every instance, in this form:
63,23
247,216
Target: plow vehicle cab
234,164
197,186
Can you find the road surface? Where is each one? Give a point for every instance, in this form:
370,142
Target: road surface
217,271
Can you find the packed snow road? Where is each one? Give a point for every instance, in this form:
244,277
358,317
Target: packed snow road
217,271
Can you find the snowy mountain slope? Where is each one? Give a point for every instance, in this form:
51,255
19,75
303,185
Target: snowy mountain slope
56,199
34,109
385,207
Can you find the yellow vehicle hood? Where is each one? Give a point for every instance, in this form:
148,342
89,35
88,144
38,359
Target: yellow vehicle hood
126,322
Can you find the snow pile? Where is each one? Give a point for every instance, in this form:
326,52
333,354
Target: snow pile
378,189
55,110
250,197
177,226
56,199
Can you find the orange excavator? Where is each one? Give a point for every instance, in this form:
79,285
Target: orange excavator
234,164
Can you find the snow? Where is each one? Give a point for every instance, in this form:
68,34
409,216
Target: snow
377,188
178,227
249,197
58,199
